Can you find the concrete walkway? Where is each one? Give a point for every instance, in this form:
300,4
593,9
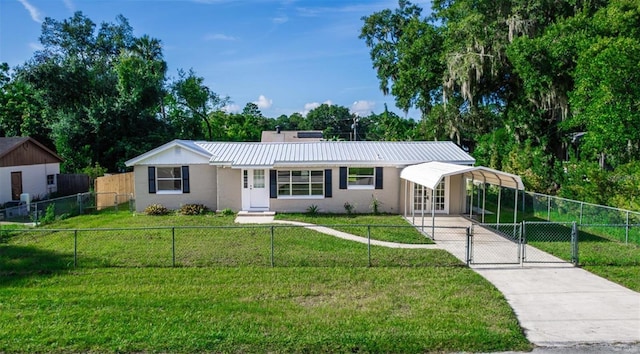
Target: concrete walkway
558,305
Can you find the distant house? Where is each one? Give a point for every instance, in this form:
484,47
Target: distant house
290,177
26,166
291,136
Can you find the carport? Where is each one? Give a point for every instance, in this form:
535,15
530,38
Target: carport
430,174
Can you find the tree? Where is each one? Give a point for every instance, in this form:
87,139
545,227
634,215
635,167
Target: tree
388,126
335,121
406,53
100,91
191,104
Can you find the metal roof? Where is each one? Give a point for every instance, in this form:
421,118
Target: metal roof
429,174
244,154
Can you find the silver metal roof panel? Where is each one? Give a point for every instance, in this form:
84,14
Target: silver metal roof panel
244,154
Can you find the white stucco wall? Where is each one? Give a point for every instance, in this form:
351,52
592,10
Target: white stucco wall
360,199
34,180
202,180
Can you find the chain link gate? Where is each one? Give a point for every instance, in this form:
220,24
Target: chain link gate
526,242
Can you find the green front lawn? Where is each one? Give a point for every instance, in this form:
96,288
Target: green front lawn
247,309
320,297
391,228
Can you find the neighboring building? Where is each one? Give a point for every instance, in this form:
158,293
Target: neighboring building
26,166
291,136
290,177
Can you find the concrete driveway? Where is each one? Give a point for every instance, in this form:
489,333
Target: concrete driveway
557,304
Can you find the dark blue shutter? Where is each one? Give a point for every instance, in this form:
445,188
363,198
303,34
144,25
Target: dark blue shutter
378,177
273,184
343,178
186,188
152,179
328,186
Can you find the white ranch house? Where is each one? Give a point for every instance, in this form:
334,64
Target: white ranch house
404,177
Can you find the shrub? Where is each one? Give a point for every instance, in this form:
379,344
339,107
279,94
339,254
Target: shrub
193,209
313,209
156,209
348,208
227,212
49,215
375,205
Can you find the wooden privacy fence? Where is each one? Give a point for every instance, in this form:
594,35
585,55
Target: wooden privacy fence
69,184
113,189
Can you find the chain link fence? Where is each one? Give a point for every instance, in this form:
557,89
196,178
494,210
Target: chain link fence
614,223
82,203
214,246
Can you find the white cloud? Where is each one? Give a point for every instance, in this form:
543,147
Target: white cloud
70,5
231,108
36,15
219,37
312,105
263,102
362,108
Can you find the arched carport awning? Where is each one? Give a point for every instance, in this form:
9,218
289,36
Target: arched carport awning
429,174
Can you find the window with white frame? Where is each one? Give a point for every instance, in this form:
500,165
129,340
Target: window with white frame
300,183
51,180
169,179
361,178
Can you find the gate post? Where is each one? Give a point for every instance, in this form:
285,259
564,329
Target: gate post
468,245
522,242
574,244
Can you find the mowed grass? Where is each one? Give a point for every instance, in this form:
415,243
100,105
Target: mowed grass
223,295
391,228
246,309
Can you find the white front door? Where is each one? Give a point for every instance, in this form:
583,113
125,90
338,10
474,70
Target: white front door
255,194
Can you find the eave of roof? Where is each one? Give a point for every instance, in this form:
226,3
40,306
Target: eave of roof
185,144
8,144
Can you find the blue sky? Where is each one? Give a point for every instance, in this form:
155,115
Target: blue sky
284,55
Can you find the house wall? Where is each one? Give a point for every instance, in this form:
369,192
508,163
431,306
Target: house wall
229,189
389,196
456,194
34,180
203,182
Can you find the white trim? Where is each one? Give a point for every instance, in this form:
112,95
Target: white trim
361,187
301,197
167,191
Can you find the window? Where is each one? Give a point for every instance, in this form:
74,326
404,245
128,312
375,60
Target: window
169,179
361,177
439,196
299,183
51,180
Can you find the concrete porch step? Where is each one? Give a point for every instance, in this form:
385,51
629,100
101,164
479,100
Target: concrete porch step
256,213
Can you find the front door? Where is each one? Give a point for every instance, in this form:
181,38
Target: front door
255,194
16,185
422,198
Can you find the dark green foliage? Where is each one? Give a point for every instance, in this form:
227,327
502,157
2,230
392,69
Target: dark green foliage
227,212
312,210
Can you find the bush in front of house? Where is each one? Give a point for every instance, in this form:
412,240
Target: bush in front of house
156,209
193,209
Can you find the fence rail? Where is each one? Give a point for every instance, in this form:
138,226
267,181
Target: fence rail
226,246
81,203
